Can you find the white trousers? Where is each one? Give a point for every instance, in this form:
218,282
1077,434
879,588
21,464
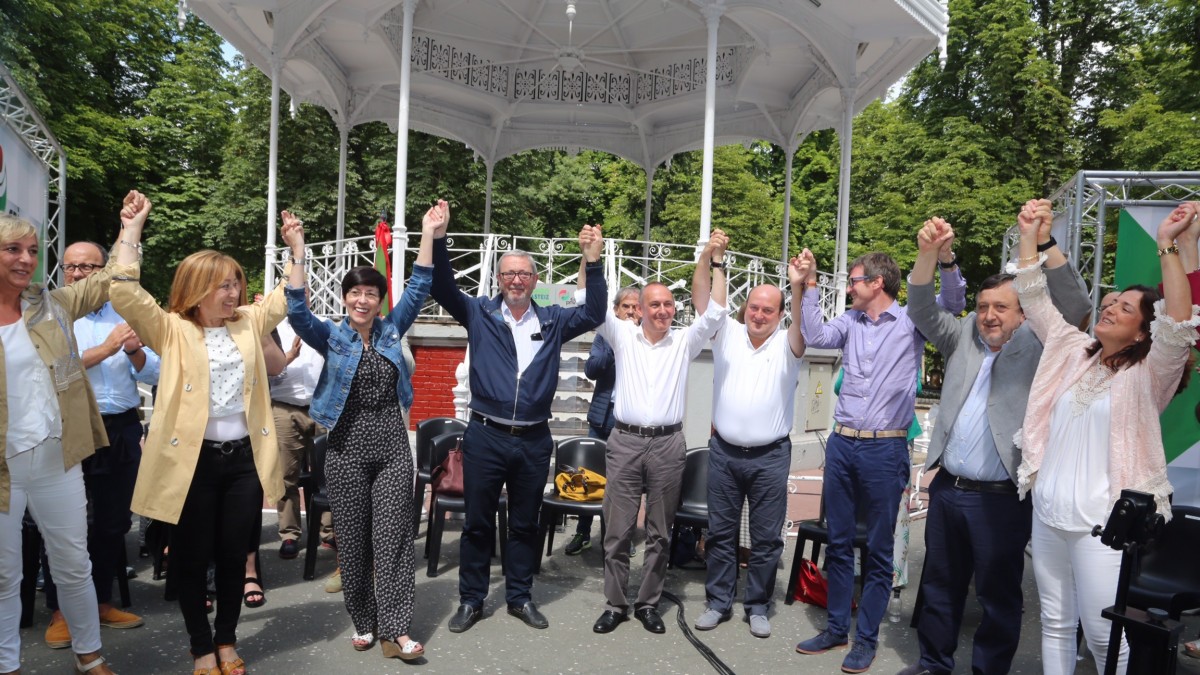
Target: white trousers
58,503
1076,578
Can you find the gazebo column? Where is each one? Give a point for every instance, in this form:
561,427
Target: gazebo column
712,15
787,203
647,209
272,174
845,137
343,151
399,229
490,167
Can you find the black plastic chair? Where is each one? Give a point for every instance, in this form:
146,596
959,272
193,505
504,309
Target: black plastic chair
1167,576
440,504
427,430
576,452
316,501
817,531
693,495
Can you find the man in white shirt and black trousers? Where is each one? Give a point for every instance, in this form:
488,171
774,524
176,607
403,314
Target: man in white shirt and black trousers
756,367
646,449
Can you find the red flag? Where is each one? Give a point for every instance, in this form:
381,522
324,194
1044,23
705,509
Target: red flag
383,261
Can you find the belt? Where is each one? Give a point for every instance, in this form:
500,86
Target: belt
227,447
649,432
751,448
514,430
843,430
131,414
1004,487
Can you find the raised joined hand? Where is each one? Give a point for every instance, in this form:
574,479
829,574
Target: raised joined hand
134,209
436,219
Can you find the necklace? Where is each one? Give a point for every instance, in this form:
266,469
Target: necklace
1094,384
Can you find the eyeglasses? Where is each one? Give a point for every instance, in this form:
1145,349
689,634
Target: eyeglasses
355,294
522,275
855,280
86,268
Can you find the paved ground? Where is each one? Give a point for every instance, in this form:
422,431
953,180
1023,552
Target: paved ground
302,629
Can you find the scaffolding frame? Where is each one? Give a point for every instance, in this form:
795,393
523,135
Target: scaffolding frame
1091,199
19,114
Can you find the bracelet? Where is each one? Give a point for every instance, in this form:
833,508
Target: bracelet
1173,248
949,265
812,284
716,265
1030,259
298,261
1050,243
136,247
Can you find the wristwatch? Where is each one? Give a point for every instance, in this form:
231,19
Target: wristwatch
716,265
949,265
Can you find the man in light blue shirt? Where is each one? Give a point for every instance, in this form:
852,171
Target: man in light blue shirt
116,361
977,526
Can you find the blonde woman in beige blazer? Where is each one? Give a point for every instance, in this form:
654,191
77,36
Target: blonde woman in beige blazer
211,454
49,423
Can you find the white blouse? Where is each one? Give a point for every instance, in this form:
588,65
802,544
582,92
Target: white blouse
226,374
1071,490
33,414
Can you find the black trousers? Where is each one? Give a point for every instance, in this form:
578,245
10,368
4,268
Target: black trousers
223,506
980,534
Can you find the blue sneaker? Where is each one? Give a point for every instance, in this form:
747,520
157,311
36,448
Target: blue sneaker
859,659
823,642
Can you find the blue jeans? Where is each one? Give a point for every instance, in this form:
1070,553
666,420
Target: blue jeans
864,474
735,474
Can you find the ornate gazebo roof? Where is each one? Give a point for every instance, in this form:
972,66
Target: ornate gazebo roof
623,76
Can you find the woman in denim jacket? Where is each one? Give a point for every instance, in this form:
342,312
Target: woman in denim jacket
369,469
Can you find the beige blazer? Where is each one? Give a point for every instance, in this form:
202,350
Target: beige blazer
50,319
181,407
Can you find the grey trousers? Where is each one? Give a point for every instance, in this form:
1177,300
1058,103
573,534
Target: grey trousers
637,465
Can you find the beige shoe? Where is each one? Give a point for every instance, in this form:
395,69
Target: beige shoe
334,583
115,618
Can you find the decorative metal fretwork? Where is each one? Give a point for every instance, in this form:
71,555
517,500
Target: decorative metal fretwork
475,258
593,84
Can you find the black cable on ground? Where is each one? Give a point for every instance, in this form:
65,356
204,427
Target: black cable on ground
708,654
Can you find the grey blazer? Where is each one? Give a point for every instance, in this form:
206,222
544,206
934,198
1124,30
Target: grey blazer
1012,371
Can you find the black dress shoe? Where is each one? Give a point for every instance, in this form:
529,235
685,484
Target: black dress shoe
529,613
464,618
609,621
650,619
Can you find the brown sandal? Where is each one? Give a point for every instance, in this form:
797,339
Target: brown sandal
411,650
234,667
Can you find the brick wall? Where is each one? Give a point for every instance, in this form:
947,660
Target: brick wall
434,381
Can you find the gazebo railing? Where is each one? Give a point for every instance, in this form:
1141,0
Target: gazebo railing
475,257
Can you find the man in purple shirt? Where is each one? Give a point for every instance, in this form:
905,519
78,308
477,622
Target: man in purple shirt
866,458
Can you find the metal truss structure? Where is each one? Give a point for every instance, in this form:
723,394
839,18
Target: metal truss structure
1090,201
18,113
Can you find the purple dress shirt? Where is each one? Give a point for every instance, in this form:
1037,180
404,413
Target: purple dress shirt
881,358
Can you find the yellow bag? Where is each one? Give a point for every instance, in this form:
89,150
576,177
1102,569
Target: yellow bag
582,485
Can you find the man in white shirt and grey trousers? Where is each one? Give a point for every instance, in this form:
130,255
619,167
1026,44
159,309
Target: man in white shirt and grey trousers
756,367
646,449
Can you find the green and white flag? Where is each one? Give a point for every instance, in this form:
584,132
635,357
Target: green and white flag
1137,263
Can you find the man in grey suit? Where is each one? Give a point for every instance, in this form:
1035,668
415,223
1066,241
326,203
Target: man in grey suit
977,525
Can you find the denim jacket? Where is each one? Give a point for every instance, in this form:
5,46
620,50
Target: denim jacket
341,346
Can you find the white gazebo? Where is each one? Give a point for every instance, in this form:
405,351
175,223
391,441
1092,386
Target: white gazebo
642,79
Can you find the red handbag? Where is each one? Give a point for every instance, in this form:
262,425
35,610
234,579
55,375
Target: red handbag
811,586
448,476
